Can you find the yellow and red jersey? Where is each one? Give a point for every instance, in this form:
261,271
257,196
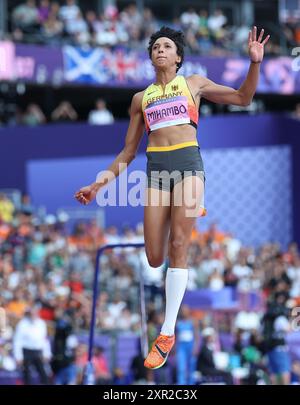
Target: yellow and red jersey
168,106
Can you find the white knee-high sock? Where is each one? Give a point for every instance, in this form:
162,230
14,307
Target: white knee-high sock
176,281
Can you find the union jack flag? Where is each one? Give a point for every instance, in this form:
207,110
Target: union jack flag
122,66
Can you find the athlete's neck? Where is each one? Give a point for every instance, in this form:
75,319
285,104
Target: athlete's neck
163,78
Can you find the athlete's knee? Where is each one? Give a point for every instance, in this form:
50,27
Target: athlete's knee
177,242
155,260
177,247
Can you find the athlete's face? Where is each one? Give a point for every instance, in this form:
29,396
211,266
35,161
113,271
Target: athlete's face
164,53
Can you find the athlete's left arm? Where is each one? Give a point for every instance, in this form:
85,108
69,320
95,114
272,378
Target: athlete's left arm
227,95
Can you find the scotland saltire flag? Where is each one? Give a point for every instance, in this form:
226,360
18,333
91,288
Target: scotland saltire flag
85,66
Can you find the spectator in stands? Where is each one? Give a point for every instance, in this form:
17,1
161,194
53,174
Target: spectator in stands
101,115
54,9
33,115
216,22
31,346
247,320
276,326
104,30
240,36
80,361
7,362
17,305
26,206
114,31
52,29
253,358
279,356
37,251
26,17
132,19
78,29
205,363
190,20
207,265
135,40
297,33
241,269
280,281
102,373
293,272
2,321
116,307
213,235
64,113
99,361
192,42
296,113
216,281
186,346
150,24
64,347
203,26
230,279
128,321
119,377
44,10
91,20
139,372
69,11
295,376
6,209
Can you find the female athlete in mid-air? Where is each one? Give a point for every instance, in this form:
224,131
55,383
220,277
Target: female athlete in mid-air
169,109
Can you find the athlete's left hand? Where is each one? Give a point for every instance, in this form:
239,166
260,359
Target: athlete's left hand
256,46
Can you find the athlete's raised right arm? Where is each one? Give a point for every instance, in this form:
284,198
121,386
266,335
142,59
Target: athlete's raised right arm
133,137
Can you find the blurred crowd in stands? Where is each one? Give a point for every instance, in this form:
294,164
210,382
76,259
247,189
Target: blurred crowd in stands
46,279
64,113
51,23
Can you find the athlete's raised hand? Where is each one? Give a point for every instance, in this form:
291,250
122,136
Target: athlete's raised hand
256,46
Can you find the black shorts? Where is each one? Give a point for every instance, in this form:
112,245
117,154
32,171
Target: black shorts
167,168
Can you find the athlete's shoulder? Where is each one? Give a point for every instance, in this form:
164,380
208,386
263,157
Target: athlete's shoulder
195,79
136,102
196,82
138,97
